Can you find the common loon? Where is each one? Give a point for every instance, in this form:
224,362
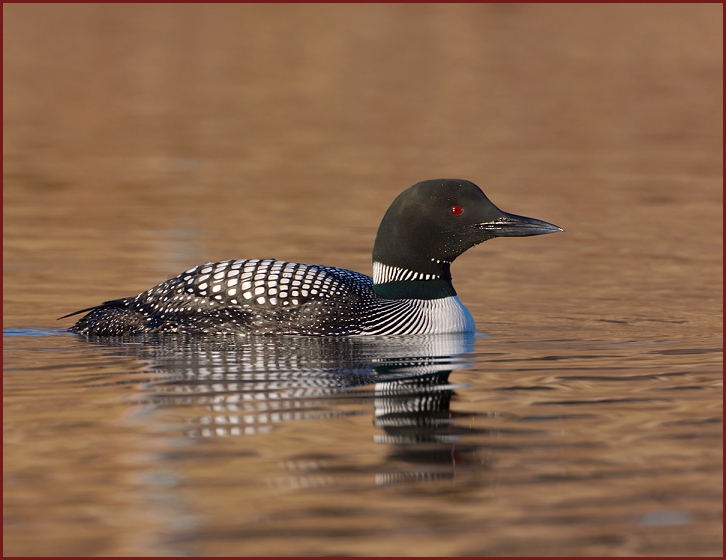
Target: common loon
426,227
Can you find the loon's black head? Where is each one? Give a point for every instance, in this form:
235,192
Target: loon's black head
431,223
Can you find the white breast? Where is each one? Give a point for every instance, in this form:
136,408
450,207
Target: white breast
420,316
448,315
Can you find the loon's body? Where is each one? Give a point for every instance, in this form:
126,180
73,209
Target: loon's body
423,231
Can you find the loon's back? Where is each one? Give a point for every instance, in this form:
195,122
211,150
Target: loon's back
253,296
426,227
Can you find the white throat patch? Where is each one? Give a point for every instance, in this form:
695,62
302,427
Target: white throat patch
383,273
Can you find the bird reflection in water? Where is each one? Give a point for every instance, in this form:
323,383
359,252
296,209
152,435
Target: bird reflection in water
249,384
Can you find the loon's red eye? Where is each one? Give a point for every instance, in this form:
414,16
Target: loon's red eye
456,210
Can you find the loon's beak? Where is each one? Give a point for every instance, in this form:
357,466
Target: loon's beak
511,225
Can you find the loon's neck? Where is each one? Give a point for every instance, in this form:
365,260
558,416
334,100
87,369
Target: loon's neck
392,282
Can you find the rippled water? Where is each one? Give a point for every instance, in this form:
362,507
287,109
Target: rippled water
410,445
584,418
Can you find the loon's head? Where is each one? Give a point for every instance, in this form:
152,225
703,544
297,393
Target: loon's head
431,223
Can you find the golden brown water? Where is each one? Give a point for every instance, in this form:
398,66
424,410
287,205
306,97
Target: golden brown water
587,418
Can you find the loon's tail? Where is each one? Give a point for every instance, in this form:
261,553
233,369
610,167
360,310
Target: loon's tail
105,305
111,318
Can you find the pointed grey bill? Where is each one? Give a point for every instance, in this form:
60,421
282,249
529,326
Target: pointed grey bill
511,225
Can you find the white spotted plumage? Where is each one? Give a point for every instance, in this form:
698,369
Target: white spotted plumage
278,297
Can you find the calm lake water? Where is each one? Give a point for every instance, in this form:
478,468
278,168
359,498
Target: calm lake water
584,417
